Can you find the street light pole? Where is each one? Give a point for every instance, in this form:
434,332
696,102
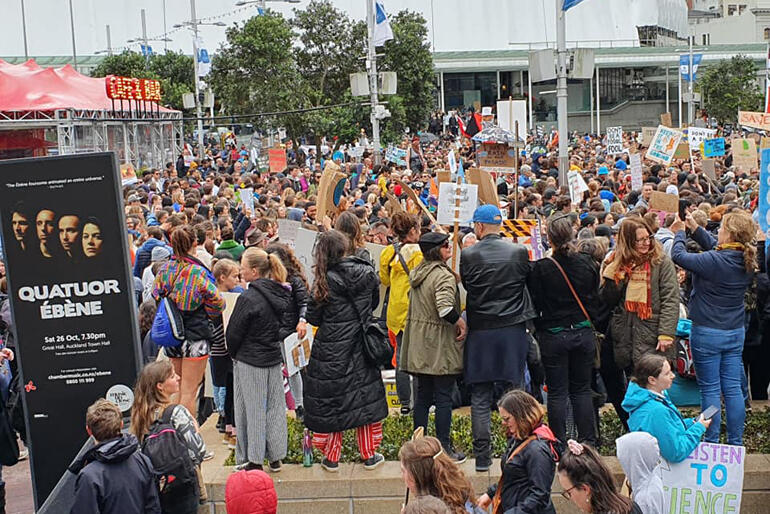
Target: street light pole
561,91
165,31
371,67
72,27
146,49
24,30
690,107
197,85
109,41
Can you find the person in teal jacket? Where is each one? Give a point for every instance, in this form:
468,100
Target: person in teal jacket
651,410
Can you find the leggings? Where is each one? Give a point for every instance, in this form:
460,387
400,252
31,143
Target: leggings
368,437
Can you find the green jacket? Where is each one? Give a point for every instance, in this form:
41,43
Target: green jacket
233,248
428,346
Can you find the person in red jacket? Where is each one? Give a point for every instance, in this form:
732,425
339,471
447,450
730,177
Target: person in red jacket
250,492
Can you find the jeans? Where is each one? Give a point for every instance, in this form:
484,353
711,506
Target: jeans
568,357
483,397
403,380
718,367
219,399
435,390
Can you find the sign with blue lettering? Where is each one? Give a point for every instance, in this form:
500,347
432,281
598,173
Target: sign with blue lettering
764,191
714,147
710,479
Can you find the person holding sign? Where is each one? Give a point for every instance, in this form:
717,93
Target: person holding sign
720,277
652,411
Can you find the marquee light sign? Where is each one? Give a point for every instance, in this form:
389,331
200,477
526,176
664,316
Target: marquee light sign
129,88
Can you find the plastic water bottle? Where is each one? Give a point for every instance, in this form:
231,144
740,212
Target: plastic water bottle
307,450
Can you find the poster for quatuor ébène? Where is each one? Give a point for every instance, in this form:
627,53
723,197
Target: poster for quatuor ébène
65,247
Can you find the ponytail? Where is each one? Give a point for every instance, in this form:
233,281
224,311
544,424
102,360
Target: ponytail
277,269
267,265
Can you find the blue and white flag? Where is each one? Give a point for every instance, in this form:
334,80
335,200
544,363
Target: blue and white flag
382,30
204,60
146,50
570,3
684,61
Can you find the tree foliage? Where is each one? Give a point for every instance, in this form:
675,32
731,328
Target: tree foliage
730,86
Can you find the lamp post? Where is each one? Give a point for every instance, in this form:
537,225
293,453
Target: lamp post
24,30
72,27
561,91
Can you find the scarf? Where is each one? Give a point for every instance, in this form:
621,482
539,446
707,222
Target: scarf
731,246
639,290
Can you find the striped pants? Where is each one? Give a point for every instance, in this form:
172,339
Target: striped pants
368,437
260,413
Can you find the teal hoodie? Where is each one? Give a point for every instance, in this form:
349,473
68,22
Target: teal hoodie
677,437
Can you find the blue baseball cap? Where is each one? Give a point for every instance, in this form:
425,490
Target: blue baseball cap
603,170
488,214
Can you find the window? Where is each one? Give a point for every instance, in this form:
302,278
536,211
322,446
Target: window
732,9
767,33
705,39
741,8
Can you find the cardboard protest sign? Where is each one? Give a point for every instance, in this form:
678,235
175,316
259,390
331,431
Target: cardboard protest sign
665,119
296,352
664,202
714,147
663,145
444,176
329,188
276,157
744,154
764,142
647,134
682,151
614,140
697,135
447,213
392,204
709,480
375,250
497,157
636,172
487,187
577,186
230,299
757,120
709,168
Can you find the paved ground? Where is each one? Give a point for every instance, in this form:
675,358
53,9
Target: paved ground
18,489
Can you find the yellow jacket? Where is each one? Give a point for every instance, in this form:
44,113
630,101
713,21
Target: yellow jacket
392,275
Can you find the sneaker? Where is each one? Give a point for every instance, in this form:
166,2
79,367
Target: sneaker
483,464
373,462
221,425
405,410
330,466
457,457
275,466
226,439
248,466
208,456
231,443
24,454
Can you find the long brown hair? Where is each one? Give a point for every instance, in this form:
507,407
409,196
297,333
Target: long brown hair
289,260
350,225
435,474
588,469
330,248
147,397
523,407
742,229
626,253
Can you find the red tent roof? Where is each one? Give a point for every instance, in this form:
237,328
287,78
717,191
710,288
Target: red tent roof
28,87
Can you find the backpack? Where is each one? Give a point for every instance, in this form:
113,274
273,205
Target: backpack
173,465
685,367
168,325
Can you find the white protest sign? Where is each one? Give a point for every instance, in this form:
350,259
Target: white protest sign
303,250
636,172
450,158
710,479
511,111
696,135
296,352
577,186
447,212
287,231
247,198
375,250
614,140
664,145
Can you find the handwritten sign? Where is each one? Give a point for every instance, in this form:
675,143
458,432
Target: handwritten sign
396,155
577,186
647,134
745,154
665,119
447,194
758,120
614,140
709,480
497,157
664,145
709,168
664,202
697,135
277,159
714,147
636,172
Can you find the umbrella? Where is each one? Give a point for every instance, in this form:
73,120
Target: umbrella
427,137
495,134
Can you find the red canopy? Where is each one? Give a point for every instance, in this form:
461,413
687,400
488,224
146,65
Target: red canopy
28,87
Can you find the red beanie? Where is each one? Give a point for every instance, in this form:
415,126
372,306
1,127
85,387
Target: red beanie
250,492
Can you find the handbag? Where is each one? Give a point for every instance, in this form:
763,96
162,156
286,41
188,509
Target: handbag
377,349
598,336
168,325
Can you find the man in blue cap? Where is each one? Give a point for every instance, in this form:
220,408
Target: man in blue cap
494,274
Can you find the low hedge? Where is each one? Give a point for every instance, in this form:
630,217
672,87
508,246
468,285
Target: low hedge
397,429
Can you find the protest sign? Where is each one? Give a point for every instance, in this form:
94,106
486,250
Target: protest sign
375,250
276,157
744,154
664,202
511,111
614,140
447,214
329,189
444,176
682,151
247,199
764,191
497,157
757,120
72,299
663,145
230,299
396,155
697,135
296,352
487,187
577,186
303,250
710,479
287,231
665,119
647,134
452,161
636,172
714,147
764,142
709,168
128,174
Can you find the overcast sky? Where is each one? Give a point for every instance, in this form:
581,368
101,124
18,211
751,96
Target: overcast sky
460,24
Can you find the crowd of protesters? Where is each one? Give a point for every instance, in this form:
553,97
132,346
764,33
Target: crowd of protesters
602,316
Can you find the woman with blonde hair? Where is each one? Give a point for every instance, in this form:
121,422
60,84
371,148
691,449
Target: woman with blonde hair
639,284
428,471
254,341
720,277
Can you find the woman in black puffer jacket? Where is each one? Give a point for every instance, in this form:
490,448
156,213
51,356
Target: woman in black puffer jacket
342,390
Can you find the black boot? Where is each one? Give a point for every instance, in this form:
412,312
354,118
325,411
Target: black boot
2,499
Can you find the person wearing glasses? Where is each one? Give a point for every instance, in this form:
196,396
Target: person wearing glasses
529,461
432,346
639,284
588,483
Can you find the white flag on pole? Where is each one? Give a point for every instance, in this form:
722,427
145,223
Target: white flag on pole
204,60
382,30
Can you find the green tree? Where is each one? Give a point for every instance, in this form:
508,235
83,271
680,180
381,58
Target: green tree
125,64
408,54
730,86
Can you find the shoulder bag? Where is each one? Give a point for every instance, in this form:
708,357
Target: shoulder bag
377,349
497,500
598,336
168,326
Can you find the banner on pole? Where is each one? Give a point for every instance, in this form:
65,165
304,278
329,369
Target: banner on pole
72,299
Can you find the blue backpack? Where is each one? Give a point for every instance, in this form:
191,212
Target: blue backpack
168,326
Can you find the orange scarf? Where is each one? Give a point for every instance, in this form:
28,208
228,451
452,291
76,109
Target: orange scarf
639,290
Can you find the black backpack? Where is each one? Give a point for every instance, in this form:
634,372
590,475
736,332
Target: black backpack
173,465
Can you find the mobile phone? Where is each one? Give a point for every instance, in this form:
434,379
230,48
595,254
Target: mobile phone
709,412
682,209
